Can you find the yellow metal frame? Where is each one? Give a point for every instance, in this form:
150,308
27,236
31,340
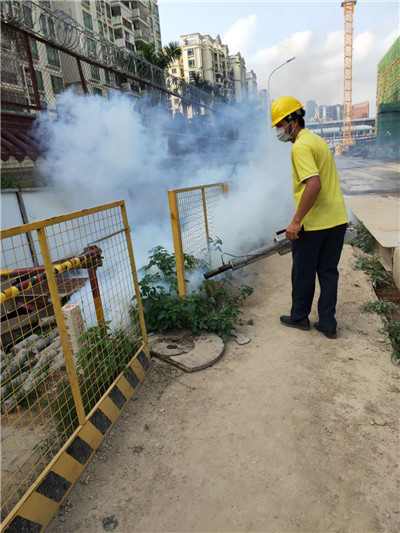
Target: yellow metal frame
41,501
176,226
35,510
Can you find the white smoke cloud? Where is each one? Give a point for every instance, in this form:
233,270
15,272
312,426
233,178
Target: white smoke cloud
99,151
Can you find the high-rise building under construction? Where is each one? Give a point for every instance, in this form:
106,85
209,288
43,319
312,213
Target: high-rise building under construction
388,99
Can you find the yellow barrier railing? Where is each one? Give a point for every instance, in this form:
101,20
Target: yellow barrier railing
192,220
73,351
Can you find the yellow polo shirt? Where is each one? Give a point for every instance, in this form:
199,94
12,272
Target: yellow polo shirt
311,156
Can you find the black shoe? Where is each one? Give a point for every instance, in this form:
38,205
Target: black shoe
303,324
326,333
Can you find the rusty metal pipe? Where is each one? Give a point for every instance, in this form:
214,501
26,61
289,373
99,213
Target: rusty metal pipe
91,256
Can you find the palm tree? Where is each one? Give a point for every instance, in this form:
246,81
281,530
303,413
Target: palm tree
160,58
202,84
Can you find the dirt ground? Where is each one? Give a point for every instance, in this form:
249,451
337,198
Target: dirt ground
290,433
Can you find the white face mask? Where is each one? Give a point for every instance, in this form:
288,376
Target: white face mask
282,135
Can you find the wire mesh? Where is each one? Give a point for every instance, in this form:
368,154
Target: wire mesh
193,225
100,327
196,216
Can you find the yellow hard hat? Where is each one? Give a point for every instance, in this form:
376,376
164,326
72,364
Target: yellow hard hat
282,107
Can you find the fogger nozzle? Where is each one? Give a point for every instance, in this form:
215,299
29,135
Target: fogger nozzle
280,246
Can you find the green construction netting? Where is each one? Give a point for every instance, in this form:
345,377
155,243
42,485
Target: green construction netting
388,125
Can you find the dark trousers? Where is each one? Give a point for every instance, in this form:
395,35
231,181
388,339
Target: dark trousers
317,253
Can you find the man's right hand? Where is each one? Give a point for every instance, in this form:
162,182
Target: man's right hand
292,230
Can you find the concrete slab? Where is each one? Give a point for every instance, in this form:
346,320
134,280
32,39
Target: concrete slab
187,351
380,214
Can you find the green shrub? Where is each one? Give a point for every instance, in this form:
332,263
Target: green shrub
9,182
364,239
392,332
211,308
372,266
380,307
103,355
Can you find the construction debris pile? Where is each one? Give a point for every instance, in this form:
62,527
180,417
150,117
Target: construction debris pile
29,362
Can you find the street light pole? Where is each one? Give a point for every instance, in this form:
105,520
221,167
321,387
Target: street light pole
269,98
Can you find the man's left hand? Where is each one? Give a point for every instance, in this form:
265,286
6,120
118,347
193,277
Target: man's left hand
292,230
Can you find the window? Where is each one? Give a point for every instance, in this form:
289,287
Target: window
192,63
127,36
94,72
34,49
190,52
108,10
87,21
96,90
118,33
43,24
110,34
191,74
45,3
100,27
174,71
116,11
98,7
86,2
39,80
109,77
52,30
57,84
52,56
91,45
27,11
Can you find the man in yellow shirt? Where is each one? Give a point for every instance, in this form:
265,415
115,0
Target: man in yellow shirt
319,224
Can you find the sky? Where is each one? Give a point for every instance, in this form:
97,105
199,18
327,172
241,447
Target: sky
268,33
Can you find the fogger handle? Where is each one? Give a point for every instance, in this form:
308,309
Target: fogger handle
281,231
218,270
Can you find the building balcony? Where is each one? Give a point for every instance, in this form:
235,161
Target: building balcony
122,21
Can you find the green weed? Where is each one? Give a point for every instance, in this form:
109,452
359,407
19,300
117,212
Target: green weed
364,239
392,332
379,306
210,308
372,266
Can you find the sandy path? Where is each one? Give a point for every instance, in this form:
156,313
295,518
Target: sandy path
290,433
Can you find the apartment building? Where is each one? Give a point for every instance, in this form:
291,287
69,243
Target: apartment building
237,74
251,85
263,98
16,82
136,21
121,22
209,58
96,17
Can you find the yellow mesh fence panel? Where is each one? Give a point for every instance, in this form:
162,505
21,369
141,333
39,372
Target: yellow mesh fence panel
44,356
193,223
